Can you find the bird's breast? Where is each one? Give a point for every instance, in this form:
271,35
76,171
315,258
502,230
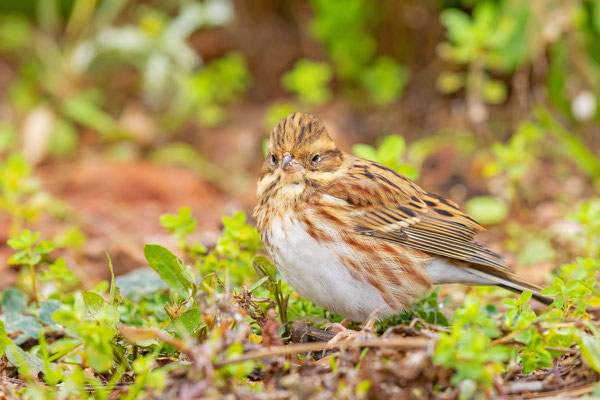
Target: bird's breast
312,266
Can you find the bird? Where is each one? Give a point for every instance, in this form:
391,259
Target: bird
356,237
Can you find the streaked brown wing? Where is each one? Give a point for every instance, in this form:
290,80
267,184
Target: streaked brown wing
387,205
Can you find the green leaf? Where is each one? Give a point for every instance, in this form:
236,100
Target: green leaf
457,23
590,349
100,311
44,247
365,151
140,282
309,80
238,370
558,283
264,268
509,302
25,240
81,110
549,291
391,148
98,349
559,302
4,339
494,92
46,311
571,285
170,269
450,82
259,282
363,387
13,300
25,362
59,271
115,293
384,80
525,297
181,224
27,325
187,324
66,317
488,210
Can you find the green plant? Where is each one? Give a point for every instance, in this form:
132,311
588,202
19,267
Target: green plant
588,216
429,310
181,225
309,80
489,39
343,28
268,278
29,253
515,157
389,153
384,80
346,31
221,81
519,313
68,54
78,331
571,298
469,351
487,210
20,192
498,38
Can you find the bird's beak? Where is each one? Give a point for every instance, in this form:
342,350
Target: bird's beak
289,164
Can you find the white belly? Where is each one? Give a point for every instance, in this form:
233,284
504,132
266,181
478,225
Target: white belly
314,271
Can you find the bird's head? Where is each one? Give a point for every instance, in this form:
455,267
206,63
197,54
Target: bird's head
301,158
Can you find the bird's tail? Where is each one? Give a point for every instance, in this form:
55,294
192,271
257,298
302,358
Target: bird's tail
512,282
443,271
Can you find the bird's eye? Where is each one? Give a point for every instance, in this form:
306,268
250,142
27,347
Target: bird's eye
316,158
273,159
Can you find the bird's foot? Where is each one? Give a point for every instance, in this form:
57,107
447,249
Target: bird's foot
344,333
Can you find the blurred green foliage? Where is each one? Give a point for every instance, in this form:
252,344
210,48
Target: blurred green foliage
467,348
389,153
69,52
309,80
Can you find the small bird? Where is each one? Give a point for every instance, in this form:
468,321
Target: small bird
356,237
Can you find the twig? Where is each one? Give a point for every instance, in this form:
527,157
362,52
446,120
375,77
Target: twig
399,343
431,327
137,335
537,393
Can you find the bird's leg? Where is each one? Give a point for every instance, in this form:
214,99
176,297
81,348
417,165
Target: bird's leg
349,334
338,326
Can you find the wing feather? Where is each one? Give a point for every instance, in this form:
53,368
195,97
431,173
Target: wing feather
387,205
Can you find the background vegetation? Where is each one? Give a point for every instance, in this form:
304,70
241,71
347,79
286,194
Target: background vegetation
131,133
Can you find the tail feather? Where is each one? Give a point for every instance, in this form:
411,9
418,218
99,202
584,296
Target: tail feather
449,271
513,283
